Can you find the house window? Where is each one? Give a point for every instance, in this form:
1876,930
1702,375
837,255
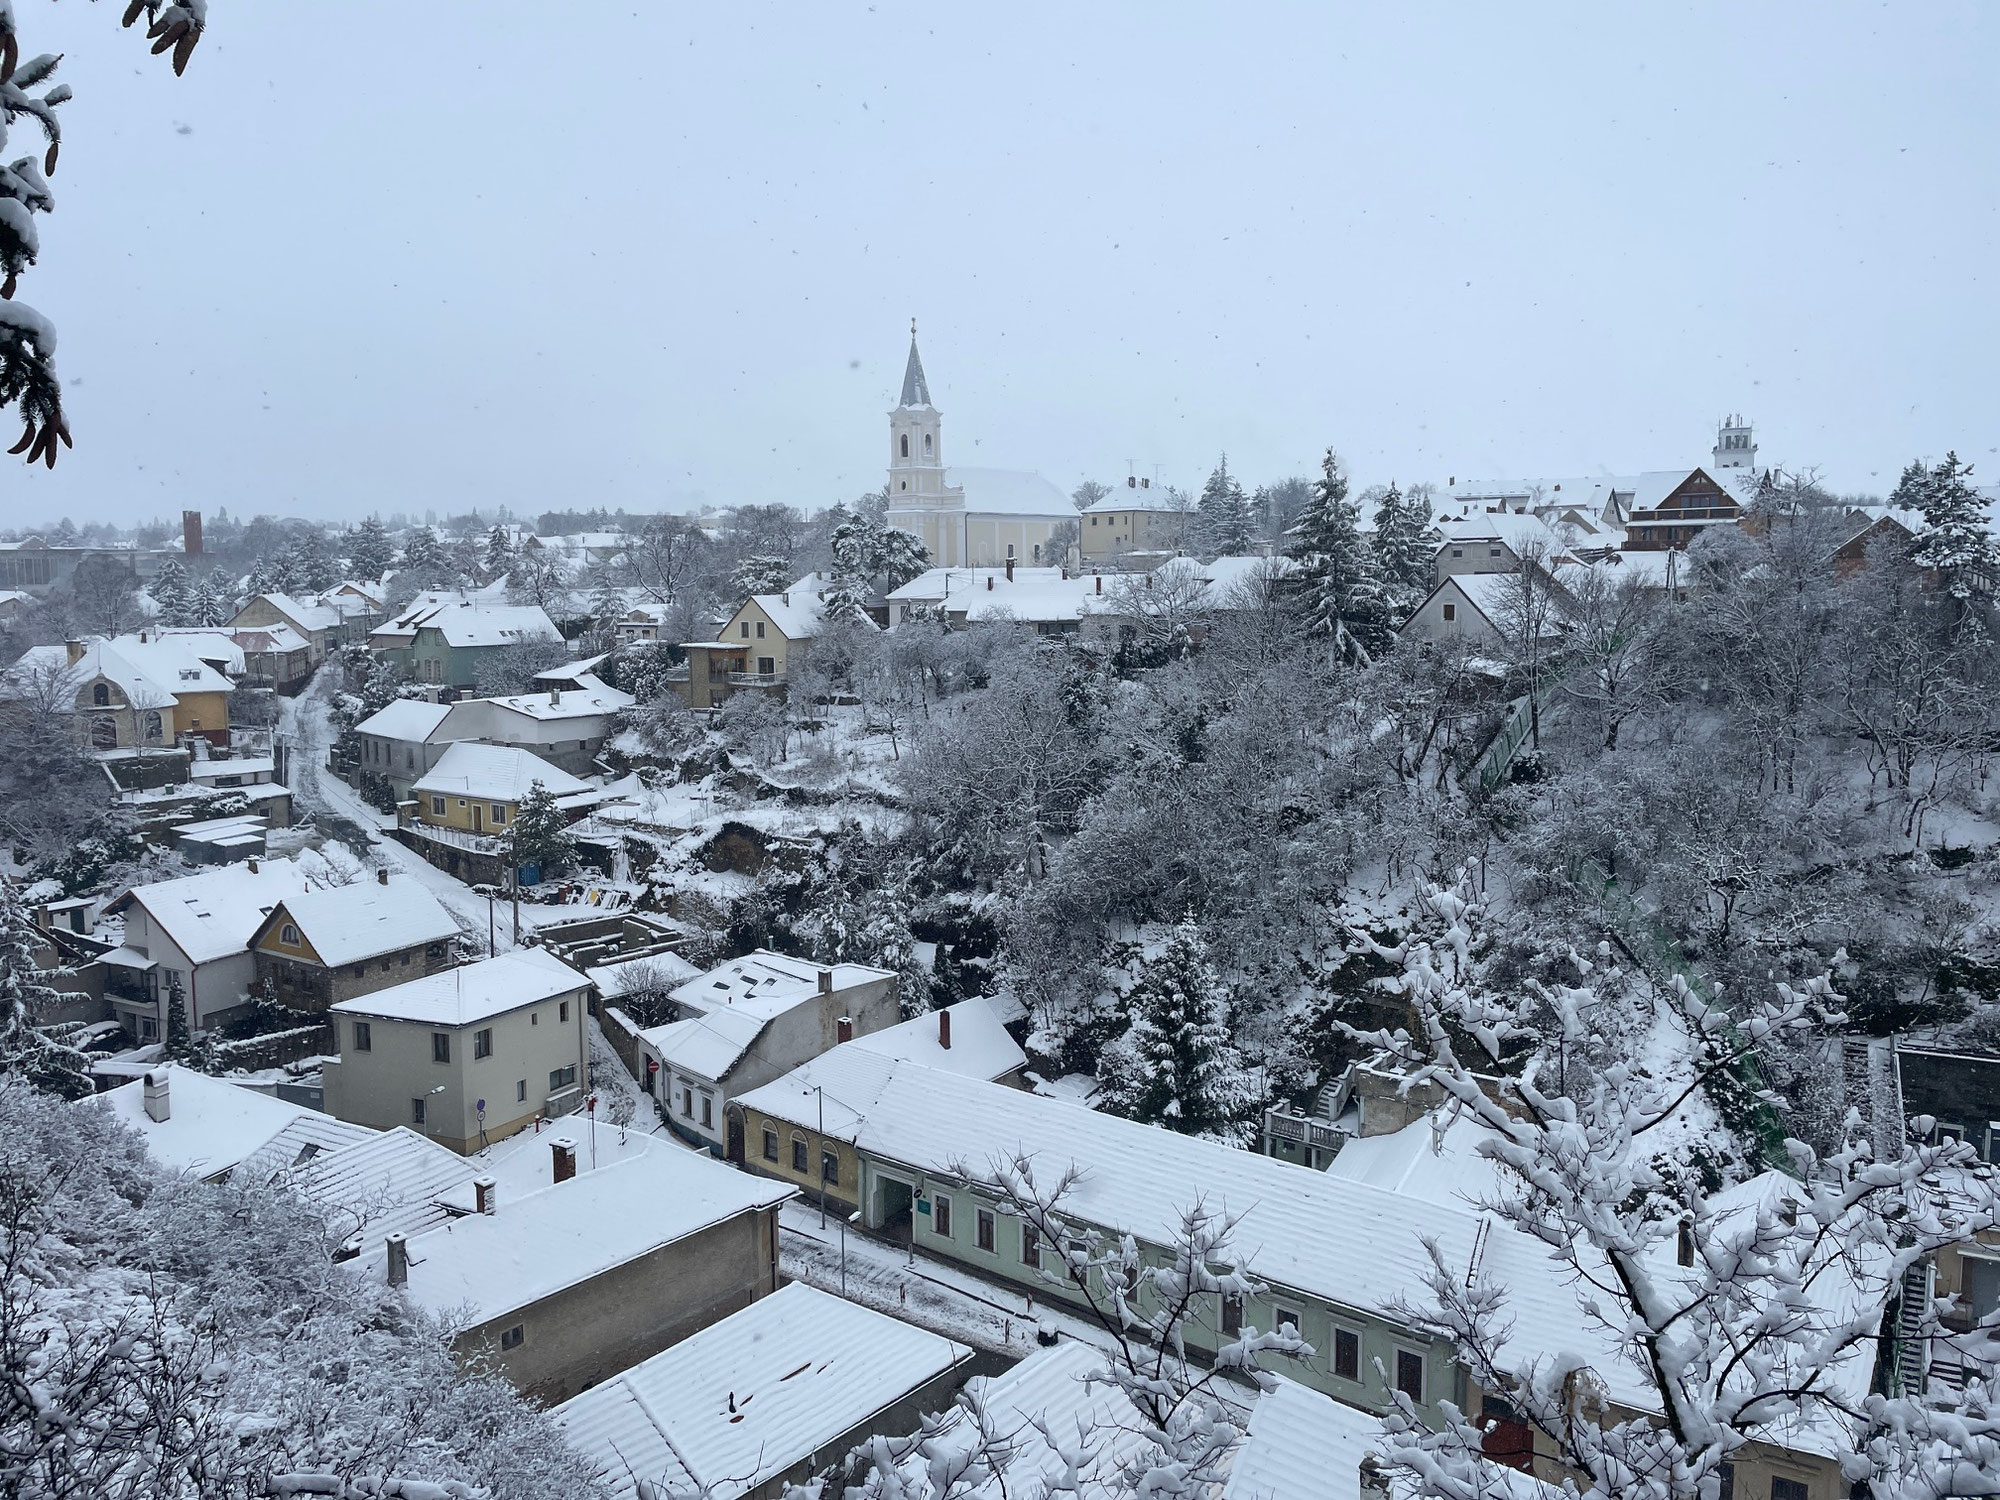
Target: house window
418,1112
289,935
499,813
437,807
1232,1312
562,1078
767,666
521,1091
687,1102
1787,1489
534,1018
361,969
1410,1374
440,1046
707,1112
1031,1247
482,1044
983,1228
799,1154
1492,551
1347,1354
1283,1315
511,1338
760,630
364,1037
829,1166
744,627
562,1011
941,1215
770,1144
1451,611
1458,552
100,695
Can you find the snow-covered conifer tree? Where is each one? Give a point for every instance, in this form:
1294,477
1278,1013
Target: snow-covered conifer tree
499,560
1177,1066
1403,551
27,1051
1956,541
1338,587
541,833
370,553
760,573
1223,524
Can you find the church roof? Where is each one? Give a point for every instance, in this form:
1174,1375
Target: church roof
1010,492
916,390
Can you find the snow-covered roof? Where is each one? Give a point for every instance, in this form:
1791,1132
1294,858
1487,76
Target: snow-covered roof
211,1125
392,1181
1154,497
468,622
536,1244
766,984
980,1046
216,913
1412,1161
1010,492
404,719
471,992
310,1136
1031,595
495,773
572,671
177,662
590,697
349,588
729,1408
612,978
708,1045
1301,1445
273,638
795,610
142,683
305,616
1516,532
346,924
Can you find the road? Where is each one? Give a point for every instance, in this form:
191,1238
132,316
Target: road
337,810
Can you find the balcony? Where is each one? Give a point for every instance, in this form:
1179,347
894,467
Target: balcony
1299,1130
755,679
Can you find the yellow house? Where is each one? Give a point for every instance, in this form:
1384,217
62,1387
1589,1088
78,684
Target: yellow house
1137,522
110,701
759,646
476,788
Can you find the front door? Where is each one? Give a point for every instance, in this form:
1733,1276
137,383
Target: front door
477,822
735,1137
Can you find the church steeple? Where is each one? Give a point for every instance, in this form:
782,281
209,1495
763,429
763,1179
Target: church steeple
916,392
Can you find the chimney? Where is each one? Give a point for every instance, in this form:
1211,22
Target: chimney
1099,579
555,697
159,1103
843,1029
989,583
382,876
1010,567
399,1259
483,1192
826,981
563,1149
251,864
944,1029
142,637
786,598
75,649
191,533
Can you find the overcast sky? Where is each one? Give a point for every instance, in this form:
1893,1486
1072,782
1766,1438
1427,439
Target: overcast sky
424,256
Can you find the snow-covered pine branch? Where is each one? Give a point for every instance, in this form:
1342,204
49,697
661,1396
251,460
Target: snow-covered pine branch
1713,1323
27,338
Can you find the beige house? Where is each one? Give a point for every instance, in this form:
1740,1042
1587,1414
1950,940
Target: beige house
321,946
476,788
109,700
466,1056
316,624
577,1261
964,517
760,646
1132,526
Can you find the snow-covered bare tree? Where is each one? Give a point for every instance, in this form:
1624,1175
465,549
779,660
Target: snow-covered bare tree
1724,1321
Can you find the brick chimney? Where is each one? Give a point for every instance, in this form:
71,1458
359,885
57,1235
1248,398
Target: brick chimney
1010,568
826,981
989,583
555,697
191,533
1098,578
399,1259
159,1102
75,650
563,1150
250,865
382,876
843,1029
484,1191
944,1029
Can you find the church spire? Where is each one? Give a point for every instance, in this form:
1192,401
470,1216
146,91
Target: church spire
916,392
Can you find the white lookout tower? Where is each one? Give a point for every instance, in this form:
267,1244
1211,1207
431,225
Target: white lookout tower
1735,447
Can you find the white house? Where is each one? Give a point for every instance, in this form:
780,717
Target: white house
467,1056
194,932
963,1038
400,741
208,1128
565,726
773,1395
749,1021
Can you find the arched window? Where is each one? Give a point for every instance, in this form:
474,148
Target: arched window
927,445
100,695
905,441
104,733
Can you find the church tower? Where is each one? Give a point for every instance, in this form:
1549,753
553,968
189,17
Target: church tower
916,441
1735,447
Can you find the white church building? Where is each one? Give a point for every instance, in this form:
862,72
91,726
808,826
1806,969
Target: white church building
978,518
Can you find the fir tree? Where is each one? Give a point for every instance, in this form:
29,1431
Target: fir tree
1403,553
541,833
369,552
845,600
1176,1066
903,556
180,1041
1955,541
1337,584
207,603
499,553
311,563
1223,522
27,1050
1912,490
760,573
169,590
